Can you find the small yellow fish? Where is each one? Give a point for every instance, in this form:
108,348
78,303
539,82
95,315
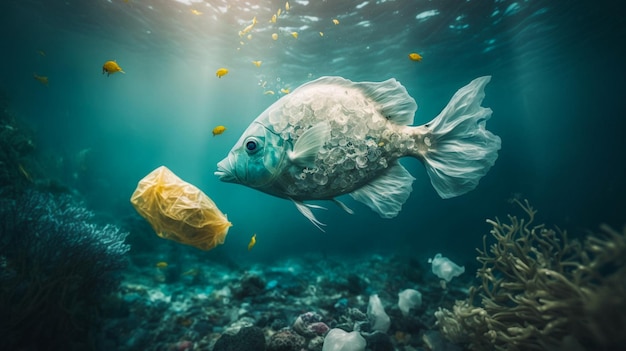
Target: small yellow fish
23,171
274,36
273,20
42,79
196,12
287,6
278,12
335,21
294,34
249,37
321,34
111,67
248,28
218,130
161,264
192,272
257,63
252,242
415,57
221,72
269,92
284,91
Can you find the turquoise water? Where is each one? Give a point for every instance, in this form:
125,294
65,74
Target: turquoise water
556,93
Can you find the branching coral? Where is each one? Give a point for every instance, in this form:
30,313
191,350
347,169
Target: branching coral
541,290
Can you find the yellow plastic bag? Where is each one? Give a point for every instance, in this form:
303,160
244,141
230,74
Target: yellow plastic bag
179,211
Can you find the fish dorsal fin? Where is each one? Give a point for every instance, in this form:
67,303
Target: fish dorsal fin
386,194
394,102
309,143
391,97
305,209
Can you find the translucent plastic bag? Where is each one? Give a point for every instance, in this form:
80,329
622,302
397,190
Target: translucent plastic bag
179,211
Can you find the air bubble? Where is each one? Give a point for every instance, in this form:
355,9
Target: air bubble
348,164
320,178
382,162
275,115
410,143
361,161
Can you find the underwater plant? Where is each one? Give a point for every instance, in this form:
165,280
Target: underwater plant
54,265
16,150
541,290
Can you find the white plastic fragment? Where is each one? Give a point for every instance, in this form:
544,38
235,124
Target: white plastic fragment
408,299
379,320
444,268
340,340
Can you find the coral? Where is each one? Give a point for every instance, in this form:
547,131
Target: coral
542,290
247,338
54,265
16,150
285,340
310,324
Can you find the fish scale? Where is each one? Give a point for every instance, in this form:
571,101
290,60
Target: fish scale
357,130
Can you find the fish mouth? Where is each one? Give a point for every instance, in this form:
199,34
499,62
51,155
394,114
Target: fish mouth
224,173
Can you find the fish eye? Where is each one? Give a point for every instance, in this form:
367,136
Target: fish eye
252,145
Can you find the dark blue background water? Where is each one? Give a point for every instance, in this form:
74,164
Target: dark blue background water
557,94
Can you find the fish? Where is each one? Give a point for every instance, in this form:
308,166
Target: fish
268,92
25,173
221,72
252,242
274,36
191,272
161,264
248,27
331,137
284,90
257,63
294,34
111,67
287,6
42,79
415,57
273,20
335,21
218,130
279,12
321,34
196,12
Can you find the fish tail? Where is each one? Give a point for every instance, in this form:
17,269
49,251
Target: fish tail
455,147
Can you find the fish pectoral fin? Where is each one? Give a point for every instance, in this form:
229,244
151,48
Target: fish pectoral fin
305,209
343,206
386,194
308,144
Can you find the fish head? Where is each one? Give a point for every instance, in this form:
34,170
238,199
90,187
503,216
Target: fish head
255,160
